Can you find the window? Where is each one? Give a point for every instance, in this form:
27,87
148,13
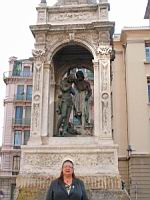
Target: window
147,50
148,88
20,92
17,138
18,115
29,92
26,136
27,115
26,71
16,165
17,68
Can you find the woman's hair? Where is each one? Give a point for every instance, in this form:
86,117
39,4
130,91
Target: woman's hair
61,177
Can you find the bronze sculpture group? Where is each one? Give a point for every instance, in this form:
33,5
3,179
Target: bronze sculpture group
75,94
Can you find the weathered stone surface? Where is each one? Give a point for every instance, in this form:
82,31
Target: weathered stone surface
40,194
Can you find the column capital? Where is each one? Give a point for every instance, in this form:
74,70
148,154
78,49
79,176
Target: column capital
104,50
39,54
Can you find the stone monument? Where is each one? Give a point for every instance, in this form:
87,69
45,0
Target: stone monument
70,37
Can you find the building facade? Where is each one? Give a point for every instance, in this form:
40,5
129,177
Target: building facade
17,118
130,92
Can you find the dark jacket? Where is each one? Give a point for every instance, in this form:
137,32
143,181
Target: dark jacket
57,191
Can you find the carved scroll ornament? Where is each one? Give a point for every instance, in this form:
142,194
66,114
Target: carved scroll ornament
104,50
39,54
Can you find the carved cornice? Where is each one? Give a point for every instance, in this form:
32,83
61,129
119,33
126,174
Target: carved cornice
100,25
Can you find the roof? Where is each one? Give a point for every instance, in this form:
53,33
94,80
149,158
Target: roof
147,12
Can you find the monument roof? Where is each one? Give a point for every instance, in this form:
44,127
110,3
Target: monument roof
74,2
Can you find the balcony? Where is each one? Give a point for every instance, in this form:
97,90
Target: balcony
13,74
23,97
22,122
5,173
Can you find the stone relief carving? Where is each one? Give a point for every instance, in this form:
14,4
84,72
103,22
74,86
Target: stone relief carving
81,160
104,50
39,54
105,116
105,96
104,37
37,75
36,97
53,40
94,38
41,16
104,75
52,76
71,36
57,37
73,16
36,113
40,38
103,13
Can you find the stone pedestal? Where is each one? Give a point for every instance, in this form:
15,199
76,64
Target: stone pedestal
96,163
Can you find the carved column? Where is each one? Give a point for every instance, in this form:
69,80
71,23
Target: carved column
102,93
51,100
37,100
45,102
97,116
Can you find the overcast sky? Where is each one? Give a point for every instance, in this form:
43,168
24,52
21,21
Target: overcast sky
17,40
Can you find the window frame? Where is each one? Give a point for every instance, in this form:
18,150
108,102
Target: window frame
147,51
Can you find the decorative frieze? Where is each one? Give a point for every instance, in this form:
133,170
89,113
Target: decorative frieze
87,160
72,16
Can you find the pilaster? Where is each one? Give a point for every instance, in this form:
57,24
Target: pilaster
102,93
37,99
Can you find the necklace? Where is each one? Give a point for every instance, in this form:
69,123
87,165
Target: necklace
68,188
68,181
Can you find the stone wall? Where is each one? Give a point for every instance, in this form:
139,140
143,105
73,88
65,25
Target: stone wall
139,171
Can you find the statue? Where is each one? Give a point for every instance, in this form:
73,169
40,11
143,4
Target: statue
83,92
75,94
65,106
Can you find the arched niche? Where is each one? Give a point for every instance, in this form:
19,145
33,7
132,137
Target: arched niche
73,57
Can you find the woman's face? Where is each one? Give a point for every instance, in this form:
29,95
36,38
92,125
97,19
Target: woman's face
67,168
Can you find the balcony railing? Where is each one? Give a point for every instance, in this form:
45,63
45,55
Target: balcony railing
24,97
5,173
23,122
14,74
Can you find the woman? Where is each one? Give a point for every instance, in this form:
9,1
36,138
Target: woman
67,186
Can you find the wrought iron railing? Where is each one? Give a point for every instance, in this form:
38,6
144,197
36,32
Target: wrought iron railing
15,74
23,96
22,121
